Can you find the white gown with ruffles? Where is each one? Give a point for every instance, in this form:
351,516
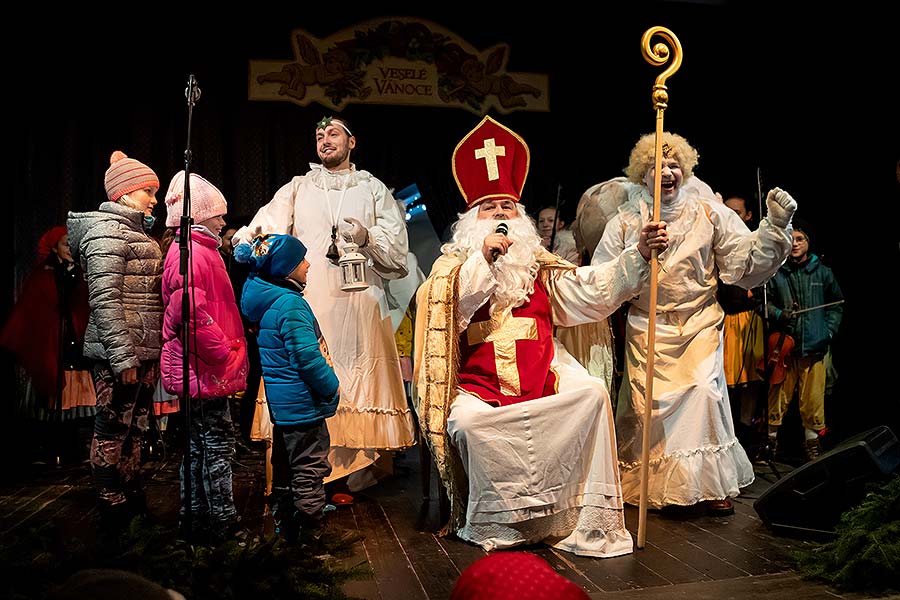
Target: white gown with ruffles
373,412
694,454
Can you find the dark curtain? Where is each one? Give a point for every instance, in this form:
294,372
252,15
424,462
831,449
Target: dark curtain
756,89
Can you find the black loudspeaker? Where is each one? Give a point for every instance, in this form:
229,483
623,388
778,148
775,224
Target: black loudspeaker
809,501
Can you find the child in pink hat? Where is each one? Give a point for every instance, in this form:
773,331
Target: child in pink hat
217,349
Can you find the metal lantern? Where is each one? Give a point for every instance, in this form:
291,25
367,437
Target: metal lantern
353,269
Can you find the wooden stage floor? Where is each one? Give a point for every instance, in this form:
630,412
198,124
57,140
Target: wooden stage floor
696,558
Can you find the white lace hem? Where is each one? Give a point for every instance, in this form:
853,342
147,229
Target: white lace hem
586,531
687,477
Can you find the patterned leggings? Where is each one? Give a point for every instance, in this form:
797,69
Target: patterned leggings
212,448
119,425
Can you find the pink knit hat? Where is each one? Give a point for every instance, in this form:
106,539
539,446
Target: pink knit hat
206,200
126,175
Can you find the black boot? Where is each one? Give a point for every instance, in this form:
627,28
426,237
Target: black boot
230,530
136,499
287,524
114,521
324,534
199,534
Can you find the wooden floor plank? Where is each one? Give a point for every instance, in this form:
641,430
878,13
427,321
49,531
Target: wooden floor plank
631,572
752,536
162,485
358,589
691,553
10,498
425,512
30,512
702,533
460,553
671,568
563,563
702,558
770,587
390,564
436,571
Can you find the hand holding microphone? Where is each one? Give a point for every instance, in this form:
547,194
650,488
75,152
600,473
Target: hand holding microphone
502,229
496,243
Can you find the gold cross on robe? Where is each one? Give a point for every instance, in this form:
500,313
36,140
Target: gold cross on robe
504,330
489,153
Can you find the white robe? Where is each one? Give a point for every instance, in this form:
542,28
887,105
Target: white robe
591,344
373,412
545,469
564,246
694,454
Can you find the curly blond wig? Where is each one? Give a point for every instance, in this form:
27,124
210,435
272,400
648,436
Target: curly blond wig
643,155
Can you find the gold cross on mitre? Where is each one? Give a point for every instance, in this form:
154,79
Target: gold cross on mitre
504,329
489,153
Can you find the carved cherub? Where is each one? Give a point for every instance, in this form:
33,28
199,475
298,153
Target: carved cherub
481,77
295,77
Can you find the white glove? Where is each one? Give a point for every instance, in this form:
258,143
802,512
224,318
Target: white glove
356,233
781,207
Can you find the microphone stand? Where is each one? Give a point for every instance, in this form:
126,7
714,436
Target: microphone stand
192,93
765,453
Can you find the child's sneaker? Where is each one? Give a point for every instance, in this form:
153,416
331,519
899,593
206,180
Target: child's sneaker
288,527
812,448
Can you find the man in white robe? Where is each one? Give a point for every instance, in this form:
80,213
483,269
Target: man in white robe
332,205
694,454
521,433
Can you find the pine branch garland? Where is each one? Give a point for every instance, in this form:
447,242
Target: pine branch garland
865,555
251,567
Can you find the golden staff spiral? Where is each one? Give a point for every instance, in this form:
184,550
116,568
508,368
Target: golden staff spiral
655,55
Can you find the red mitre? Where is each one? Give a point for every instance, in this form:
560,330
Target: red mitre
490,163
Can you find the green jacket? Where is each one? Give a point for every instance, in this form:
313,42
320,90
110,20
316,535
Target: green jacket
808,284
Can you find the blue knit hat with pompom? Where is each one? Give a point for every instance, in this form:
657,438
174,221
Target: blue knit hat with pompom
273,254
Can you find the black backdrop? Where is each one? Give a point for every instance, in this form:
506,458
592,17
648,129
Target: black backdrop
805,98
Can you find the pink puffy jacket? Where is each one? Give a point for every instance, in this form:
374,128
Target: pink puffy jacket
218,360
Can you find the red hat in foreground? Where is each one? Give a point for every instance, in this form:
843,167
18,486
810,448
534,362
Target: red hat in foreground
514,576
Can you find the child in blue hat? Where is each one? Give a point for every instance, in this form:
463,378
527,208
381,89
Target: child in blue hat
301,386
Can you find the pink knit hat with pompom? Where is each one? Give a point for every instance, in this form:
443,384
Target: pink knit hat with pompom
126,175
206,200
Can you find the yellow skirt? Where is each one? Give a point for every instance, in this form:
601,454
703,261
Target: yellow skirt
744,348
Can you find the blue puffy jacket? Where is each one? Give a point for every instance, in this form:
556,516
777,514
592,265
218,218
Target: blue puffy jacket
301,386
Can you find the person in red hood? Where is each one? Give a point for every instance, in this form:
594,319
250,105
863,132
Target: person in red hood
44,334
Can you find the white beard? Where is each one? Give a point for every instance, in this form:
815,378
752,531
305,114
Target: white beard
517,269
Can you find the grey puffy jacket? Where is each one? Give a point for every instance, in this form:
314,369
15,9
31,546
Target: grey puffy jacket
123,268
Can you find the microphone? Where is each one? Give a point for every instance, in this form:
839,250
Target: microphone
192,92
501,228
